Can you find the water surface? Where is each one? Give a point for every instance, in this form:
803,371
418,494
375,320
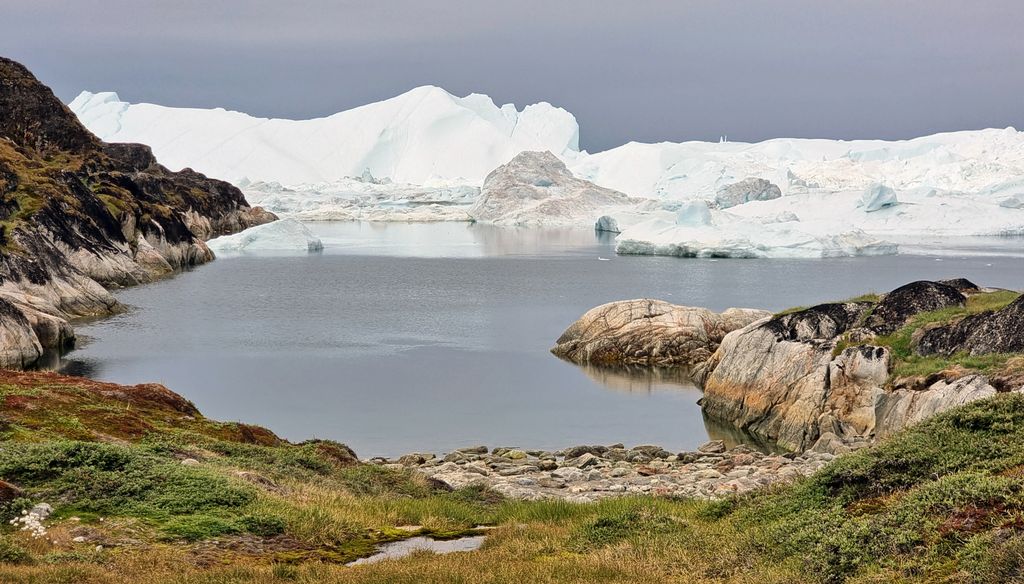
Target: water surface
400,338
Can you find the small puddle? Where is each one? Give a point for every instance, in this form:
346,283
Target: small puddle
400,549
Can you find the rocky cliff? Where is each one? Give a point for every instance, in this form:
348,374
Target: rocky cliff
78,216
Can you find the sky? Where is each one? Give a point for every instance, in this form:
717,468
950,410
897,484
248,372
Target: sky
628,69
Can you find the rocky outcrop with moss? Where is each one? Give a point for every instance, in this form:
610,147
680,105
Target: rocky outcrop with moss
649,332
830,377
78,215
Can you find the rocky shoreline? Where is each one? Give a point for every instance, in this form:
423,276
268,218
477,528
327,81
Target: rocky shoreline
583,474
79,216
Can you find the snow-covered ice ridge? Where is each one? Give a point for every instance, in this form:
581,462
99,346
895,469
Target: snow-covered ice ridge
419,136
424,155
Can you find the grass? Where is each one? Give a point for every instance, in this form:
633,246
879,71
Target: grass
942,501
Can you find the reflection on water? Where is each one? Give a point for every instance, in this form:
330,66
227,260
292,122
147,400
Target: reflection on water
733,436
405,547
637,379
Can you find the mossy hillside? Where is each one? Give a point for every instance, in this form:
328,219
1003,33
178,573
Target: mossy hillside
907,363
942,501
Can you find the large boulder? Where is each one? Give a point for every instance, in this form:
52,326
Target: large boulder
649,332
771,378
751,189
898,306
1000,331
785,380
536,188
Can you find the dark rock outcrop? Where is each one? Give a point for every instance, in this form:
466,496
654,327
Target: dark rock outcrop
898,306
1000,331
77,214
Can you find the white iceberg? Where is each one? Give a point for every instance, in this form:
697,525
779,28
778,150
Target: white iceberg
422,134
722,235
280,235
876,197
424,155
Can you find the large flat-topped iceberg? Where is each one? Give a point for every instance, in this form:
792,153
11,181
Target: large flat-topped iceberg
421,135
284,235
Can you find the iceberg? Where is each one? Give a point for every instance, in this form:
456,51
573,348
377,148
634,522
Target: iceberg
877,196
427,155
536,188
423,134
280,235
700,232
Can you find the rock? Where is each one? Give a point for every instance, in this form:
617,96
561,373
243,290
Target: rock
258,479
547,464
41,510
876,197
536,188
9,492
898,306
190,462
751,189
585,460
649,332
516,454
781,380
1000,331
712,447
607,223
414,459
577,451
473,450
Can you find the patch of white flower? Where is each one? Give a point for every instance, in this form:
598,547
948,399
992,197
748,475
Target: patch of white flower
32,520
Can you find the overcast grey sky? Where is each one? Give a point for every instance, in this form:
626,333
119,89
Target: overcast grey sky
630,70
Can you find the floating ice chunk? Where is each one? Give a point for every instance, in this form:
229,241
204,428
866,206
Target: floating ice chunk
738,238
877,196
607,223
281,235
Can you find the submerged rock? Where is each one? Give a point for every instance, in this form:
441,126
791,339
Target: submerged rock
649,332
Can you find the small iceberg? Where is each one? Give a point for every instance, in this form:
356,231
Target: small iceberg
280,235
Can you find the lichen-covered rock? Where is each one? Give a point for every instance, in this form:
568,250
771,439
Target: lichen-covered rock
1000,331
744,191
649,332
771,378
898,306
782,380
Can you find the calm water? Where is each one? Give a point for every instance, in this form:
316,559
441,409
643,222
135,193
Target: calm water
400,338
